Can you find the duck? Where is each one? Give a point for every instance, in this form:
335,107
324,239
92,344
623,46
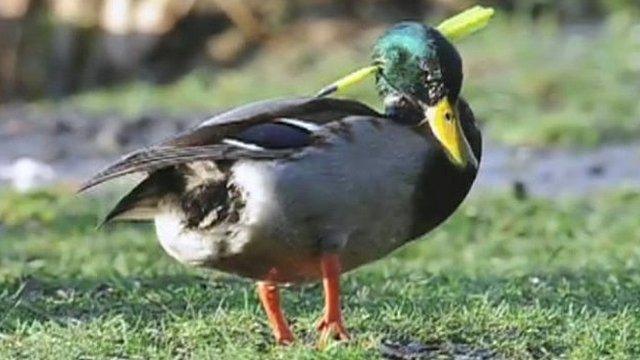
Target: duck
305,189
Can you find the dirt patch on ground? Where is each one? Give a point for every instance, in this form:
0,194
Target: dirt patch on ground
414,350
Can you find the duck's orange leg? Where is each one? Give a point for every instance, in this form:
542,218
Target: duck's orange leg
331,324
270,298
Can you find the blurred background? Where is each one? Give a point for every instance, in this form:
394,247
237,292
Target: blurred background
82,81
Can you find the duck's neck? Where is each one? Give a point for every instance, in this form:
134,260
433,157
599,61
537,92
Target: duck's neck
402,111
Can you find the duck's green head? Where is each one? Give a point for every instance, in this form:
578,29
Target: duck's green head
419,78
416,61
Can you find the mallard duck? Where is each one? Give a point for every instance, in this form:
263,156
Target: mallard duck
298,190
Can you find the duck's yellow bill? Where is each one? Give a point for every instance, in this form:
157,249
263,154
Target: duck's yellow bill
349,80
466,23
446,127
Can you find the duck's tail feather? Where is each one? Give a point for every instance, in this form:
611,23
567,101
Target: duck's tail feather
141,203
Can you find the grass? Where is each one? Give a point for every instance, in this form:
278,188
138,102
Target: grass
531,82
527,279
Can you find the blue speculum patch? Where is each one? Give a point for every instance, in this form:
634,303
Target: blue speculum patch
275,136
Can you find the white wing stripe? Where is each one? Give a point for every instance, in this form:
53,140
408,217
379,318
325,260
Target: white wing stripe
310,127
243,145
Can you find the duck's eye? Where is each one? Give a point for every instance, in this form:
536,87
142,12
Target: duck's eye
431,70
424,65
430,66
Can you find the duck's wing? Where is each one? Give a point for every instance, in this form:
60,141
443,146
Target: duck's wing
316,111
263,130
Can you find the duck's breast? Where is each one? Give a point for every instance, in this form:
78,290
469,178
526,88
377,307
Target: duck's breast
353,194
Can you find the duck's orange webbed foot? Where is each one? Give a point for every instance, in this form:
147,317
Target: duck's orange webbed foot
270,298
332,328
331,325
